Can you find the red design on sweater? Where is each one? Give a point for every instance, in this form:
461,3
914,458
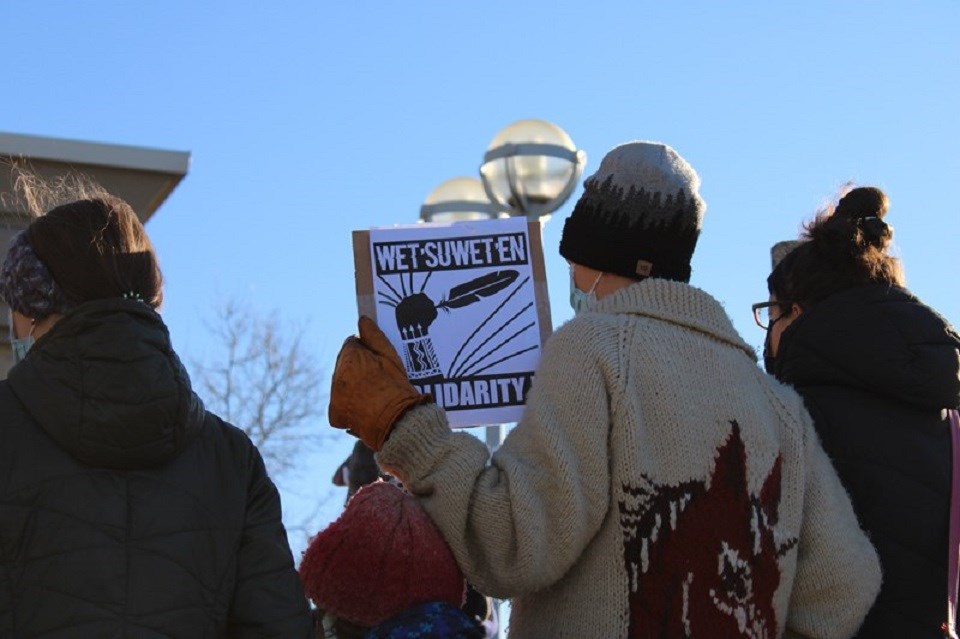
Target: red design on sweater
702,560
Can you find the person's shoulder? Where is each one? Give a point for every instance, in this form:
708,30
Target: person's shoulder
587,330
899,311
920,309
8,401
221,433
880,300
784,393
12,415
589,341
787,403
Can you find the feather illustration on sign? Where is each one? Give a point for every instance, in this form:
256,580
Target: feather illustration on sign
483,286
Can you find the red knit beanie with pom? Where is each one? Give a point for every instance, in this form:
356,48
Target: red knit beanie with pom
382,556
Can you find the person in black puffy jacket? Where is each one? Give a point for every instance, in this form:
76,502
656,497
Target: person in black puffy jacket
126,509
876,368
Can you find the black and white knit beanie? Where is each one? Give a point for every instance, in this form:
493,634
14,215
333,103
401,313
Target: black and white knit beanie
639,216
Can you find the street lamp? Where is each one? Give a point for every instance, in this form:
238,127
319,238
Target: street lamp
457,200
530,168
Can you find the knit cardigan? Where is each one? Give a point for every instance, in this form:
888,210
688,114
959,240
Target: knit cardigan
658,485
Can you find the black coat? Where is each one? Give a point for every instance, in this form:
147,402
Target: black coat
126,509
876,368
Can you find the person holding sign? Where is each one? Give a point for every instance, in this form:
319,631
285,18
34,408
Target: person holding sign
659,483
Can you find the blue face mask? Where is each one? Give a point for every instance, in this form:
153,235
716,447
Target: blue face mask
580,301
20,346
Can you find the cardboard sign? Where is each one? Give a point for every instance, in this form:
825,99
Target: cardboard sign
465,305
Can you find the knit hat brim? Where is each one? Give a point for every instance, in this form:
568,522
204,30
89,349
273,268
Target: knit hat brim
616,245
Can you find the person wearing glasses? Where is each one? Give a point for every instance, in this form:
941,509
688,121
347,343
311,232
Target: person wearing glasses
876,368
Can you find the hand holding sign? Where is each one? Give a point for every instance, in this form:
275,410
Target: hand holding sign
370,390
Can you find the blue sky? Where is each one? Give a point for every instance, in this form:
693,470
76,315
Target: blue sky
309,119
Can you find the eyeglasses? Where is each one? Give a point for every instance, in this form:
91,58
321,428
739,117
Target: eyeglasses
761,312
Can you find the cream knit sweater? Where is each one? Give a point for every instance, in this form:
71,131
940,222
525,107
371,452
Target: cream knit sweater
658,485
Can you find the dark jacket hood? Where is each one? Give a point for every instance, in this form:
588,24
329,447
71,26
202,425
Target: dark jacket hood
105,384
877,338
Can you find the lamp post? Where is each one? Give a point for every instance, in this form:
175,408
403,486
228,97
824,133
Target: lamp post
530,168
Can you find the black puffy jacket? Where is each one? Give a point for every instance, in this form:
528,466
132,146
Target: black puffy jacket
876,368
126,510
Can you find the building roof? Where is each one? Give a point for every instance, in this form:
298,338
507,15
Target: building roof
144,177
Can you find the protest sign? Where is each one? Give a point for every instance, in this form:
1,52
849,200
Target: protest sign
465,305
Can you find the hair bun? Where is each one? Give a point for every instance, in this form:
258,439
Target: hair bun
875,231
863,202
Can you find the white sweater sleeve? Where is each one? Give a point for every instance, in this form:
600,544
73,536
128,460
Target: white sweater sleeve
838,573
517,524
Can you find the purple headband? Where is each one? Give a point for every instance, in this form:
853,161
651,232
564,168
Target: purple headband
26,284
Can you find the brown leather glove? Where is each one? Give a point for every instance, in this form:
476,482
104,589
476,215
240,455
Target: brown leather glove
370,389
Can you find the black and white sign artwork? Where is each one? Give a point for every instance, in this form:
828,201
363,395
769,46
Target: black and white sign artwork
458,302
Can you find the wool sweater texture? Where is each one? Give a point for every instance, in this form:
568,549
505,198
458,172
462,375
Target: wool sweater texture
658,485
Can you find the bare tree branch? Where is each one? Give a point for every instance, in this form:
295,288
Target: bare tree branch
265,381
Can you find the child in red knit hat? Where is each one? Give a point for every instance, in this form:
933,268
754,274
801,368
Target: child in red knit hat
382,571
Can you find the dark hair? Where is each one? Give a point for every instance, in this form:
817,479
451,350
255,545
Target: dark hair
843,247
96,249
90,241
